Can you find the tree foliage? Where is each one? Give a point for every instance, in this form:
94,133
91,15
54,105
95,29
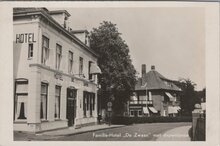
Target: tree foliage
118,74
189,97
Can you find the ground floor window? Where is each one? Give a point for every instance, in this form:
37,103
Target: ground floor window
136,113
140,113
57,102
20,100
43,103
21,107
88,102
131,113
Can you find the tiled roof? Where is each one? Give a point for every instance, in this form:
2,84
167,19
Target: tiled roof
154,80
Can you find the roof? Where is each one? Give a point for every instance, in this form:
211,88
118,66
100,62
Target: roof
154,80
23,12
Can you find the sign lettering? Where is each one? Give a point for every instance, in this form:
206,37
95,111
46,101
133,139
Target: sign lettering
25,38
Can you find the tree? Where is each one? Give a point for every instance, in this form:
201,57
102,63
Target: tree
189,96
118,74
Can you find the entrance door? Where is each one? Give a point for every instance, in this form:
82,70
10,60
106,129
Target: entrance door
71,106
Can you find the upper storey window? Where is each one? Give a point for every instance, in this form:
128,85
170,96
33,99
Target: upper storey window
70,70
30,50
45,50
80,65
58,55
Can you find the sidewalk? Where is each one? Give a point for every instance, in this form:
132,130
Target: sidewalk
50,135
176,134
72,131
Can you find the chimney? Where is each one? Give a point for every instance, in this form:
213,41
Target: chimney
82,35
152,67
61,17
143,70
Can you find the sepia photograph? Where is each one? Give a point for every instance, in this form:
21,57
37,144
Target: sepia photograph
81,80
116,73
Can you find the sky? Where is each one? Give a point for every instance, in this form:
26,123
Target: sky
172,39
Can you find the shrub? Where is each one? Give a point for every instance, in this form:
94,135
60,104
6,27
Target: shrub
135,120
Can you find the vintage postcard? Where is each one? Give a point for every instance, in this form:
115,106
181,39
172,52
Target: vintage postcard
110,72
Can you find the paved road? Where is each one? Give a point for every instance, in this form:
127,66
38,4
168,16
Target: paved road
139,132
176,134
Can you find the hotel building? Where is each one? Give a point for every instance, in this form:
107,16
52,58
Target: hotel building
55,72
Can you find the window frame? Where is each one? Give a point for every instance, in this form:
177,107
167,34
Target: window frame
45,49
139,111
16,98
131,111
70,65
80,66
30,50
84,103
46,96
90,76
58,56
59,99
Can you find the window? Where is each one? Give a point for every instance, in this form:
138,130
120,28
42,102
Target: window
20,105
93,104
30,50
57,102
90,75
84,103
88,102
140,113
132,113
43,103
45,50
80,65
70,62
58,55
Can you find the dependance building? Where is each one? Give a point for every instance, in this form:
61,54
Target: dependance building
55,72
154,95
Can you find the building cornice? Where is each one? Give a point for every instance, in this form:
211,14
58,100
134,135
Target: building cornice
60,72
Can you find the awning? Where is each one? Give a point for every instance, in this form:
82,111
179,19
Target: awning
145,110
152,109
134,98
173,109
170,96
178,108
95,69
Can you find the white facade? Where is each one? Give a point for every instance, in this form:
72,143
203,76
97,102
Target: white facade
43,76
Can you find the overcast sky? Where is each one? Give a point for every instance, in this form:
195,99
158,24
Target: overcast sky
172,39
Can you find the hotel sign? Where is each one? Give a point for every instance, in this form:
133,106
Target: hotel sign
25,38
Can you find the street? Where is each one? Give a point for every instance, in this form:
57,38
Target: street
139,132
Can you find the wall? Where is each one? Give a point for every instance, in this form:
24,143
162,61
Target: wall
157,97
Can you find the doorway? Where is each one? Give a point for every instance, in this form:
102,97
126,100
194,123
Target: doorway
71,106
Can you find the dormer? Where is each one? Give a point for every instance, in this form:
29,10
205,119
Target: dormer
82,35
61,16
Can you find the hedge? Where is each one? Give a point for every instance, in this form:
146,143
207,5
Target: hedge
158,119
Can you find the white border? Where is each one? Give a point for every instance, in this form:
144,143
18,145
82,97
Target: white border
212,69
